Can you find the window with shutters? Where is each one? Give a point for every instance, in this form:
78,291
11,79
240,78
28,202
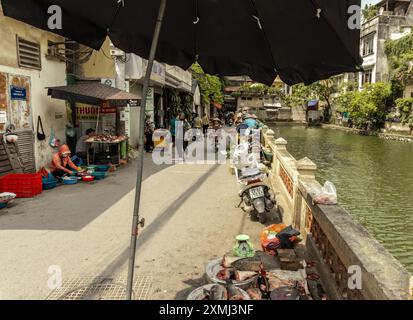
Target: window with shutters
28,54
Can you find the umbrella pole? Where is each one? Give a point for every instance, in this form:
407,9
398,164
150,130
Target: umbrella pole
136,222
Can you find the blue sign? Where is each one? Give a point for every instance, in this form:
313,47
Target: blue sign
17,93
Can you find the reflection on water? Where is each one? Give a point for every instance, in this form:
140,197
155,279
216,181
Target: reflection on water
373,177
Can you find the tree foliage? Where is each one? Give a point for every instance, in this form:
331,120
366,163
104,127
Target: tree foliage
301,94
370,11
405,110
367,108
211,87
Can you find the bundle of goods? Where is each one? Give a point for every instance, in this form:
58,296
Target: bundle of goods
106,138
327,195
217,292
278,236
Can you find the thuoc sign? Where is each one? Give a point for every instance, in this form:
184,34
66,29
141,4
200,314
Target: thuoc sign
86,112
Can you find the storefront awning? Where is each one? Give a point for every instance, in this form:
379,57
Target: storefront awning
94,93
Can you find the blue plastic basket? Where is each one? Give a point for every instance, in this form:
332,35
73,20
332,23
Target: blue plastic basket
99,175
49,183
3,205
102,168
70,181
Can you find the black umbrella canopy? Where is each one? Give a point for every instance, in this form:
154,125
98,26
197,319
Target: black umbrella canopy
259,38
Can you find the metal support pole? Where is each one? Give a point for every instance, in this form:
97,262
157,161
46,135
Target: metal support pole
136,222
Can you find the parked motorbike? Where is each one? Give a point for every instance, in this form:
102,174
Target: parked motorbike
257,199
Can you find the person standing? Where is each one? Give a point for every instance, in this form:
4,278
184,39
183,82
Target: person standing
149,129
82,147
205,123
172,127
198,122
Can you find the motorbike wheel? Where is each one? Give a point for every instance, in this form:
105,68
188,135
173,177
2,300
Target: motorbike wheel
262,218
254,217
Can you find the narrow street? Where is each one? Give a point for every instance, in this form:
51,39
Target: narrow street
85,229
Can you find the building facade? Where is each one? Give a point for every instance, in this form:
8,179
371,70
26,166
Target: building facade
26,69
393,21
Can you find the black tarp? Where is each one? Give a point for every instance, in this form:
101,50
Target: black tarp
259,38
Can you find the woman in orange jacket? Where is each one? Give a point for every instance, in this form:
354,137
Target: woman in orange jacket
62,163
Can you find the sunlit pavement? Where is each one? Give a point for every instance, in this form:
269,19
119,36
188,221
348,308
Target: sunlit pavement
84,230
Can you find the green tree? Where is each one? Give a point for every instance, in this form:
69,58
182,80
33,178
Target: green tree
301,94
323,90
211,87
405,108
367,108
370,11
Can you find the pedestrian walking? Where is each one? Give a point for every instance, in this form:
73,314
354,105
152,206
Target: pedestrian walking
205,123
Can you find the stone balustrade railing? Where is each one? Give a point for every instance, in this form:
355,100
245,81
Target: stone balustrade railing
346,251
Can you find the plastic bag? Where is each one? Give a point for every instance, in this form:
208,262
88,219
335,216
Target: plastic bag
269,240
328,195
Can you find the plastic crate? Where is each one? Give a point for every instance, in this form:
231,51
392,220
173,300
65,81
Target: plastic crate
23,185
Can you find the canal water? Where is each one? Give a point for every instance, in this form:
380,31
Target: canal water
373,177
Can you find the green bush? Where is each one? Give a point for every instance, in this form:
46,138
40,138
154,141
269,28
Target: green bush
405,107
367,108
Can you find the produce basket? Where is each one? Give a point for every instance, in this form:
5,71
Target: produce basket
23,185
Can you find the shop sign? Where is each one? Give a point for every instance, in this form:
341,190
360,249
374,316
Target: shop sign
150,99
17,93
3,117
106,108
59,115
87,112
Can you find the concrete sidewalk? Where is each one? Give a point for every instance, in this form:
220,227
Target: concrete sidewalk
85,230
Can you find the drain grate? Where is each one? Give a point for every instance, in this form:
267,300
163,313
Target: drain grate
101,288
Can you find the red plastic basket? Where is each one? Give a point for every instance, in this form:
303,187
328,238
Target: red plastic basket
23,185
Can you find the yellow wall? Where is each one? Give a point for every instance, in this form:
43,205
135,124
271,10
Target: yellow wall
99,66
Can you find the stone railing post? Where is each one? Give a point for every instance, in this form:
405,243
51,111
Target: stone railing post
280,145
306,172
269,136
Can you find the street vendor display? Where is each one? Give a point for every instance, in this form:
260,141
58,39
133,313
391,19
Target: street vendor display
108,145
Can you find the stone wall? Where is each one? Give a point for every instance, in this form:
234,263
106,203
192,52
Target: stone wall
396,127
332,235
